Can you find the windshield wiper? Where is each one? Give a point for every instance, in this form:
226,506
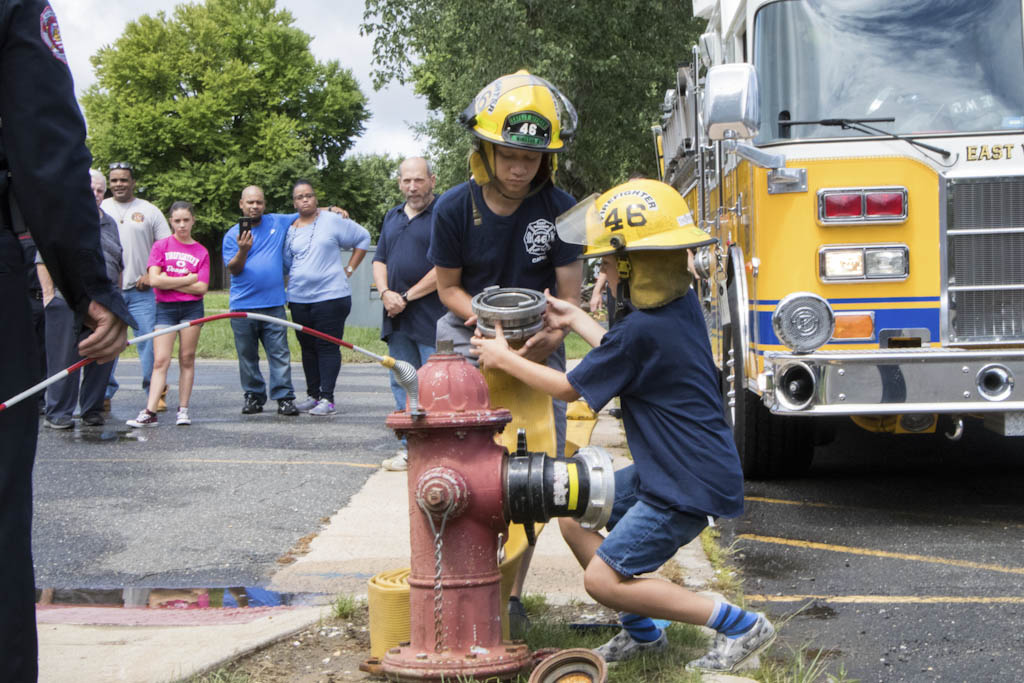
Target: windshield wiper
861,125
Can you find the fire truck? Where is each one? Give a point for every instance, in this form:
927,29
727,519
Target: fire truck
861,163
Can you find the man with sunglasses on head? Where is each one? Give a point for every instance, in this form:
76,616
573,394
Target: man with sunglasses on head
140,224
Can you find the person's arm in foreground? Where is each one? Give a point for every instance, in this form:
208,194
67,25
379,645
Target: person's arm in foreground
453,296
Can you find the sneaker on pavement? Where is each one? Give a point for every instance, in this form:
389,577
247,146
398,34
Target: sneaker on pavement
305,405
286,406
398,463
93,419
623,646
252,405
145,419
183,418
323,407
59,423
728,653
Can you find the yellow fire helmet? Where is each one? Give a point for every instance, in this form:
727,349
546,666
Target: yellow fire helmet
523,111
638,215
648,225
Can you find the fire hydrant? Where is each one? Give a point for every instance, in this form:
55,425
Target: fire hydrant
464,488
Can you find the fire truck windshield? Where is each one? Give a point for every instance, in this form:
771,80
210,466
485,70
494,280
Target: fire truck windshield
935,66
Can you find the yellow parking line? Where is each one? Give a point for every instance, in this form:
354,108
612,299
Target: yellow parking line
211,461
906,513
893,599
883,553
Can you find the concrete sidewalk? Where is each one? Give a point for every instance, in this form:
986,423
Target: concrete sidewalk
368,536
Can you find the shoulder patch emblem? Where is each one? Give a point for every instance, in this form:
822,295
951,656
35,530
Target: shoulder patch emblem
49,31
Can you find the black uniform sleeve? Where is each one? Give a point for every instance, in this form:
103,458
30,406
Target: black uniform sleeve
44,141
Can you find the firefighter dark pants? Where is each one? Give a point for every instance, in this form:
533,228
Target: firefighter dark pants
18,430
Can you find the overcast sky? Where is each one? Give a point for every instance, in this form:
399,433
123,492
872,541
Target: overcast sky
87,25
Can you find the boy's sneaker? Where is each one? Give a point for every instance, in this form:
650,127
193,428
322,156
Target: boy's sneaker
145,419
183,418
728,653
93,419
623,646
252,405
286,406
323,407
59,423
398,463
305,405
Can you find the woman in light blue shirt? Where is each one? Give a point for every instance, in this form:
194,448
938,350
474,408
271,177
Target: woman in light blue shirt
319,294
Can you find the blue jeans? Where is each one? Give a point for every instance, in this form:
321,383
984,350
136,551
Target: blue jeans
321,360
642,537
142,306
249,334
403,347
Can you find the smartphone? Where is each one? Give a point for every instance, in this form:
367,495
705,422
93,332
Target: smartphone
244,225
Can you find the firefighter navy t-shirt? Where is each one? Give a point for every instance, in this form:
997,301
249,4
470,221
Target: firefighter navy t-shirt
521,250
658,362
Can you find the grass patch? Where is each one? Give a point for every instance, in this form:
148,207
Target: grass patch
222,676
536,605
727,581
344,606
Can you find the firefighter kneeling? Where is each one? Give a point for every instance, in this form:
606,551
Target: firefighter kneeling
657,360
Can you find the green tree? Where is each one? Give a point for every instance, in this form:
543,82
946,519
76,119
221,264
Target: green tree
613,60
217,96
366,185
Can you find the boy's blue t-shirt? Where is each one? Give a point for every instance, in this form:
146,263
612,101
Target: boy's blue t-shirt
521,250
261,282
658,362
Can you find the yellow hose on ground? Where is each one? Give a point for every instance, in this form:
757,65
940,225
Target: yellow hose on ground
388,598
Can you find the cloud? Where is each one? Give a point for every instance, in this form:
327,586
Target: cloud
88,25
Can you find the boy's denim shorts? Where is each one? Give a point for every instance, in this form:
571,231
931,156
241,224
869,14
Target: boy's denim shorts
170,313
642,537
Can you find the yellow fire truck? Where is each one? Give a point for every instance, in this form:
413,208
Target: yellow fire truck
862,164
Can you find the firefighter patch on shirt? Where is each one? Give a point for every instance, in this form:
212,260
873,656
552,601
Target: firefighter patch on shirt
49,31
537,240
138,217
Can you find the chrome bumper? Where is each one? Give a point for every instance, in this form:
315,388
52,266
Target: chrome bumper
893,381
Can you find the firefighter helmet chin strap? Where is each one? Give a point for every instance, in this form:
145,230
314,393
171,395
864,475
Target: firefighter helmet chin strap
622,306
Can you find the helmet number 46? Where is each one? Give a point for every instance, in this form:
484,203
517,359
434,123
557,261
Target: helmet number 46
634,217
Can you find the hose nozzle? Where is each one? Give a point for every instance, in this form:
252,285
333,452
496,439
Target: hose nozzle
406,376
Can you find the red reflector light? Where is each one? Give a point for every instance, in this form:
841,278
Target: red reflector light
889,204
843,206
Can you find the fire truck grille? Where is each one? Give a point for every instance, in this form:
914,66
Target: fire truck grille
985,259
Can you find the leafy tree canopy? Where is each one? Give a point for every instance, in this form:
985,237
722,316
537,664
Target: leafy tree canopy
612,59
217,96
367,186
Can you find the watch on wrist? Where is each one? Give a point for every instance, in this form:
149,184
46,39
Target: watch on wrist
405,296
348,270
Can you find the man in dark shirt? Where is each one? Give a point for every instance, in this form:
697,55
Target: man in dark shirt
44,164
407,282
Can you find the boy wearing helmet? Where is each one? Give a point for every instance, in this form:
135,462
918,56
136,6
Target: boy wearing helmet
658,361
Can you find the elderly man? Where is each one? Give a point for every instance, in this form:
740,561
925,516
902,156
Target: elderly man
139,224
62,337
254,257
407,282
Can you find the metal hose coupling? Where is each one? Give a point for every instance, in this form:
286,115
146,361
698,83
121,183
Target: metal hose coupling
406,376
538,488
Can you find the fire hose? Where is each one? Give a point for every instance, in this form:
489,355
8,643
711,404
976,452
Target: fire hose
405,373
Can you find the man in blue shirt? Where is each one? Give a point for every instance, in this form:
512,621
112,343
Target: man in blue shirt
407,281
255,260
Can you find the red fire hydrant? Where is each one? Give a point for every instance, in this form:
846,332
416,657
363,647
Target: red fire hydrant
464,488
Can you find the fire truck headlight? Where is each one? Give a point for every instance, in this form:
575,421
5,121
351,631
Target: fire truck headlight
863,262
803,321
842,264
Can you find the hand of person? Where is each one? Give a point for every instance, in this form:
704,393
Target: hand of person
109,337
559,313
338,210
541,345
596,301
245,240
393,303
489,351
470,321
142,284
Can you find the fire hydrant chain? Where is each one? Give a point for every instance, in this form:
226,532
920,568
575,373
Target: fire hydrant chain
438,532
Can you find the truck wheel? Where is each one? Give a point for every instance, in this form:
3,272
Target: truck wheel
774,446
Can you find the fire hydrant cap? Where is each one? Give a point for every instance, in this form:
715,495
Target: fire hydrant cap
451,389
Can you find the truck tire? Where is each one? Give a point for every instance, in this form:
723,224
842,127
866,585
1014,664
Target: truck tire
774,446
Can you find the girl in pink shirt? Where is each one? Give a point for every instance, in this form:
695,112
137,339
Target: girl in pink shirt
179,270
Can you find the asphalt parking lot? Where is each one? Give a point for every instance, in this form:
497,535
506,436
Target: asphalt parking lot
897,559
